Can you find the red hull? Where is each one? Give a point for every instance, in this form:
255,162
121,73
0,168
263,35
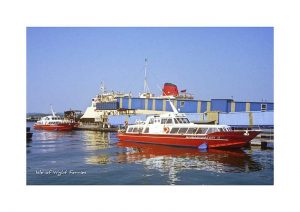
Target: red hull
58,127
234,139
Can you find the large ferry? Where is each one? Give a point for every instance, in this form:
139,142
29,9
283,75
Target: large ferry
175,129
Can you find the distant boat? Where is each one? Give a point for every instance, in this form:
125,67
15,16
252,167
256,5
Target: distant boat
54,123
176,130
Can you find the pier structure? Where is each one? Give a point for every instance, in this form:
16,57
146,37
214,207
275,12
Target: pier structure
215,111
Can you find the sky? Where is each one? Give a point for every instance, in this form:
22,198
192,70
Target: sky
65,65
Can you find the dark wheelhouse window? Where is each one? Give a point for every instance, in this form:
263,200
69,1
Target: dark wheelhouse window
163,121
169,121
185,120
135,129
174,130
130,129
146,130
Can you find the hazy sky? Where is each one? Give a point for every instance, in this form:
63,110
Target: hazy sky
65,66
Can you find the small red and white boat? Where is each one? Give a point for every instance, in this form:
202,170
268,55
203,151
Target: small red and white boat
175,129
54,123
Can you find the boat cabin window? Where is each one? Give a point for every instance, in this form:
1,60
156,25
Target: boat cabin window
181,121
182,130
135,129
166,121
157,120
146,130
211,130
130,129
224,129
174,130
151,121
185,120
201,131
169,121
191,130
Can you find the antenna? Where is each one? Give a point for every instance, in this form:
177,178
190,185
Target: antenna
102,88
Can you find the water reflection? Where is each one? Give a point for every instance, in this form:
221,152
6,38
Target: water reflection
48,135
172,160
95,140
98,159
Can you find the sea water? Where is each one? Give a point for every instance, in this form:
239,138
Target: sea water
97,158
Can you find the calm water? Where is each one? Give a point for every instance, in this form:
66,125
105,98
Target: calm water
95,158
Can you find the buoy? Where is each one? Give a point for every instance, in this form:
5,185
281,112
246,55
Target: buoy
203,146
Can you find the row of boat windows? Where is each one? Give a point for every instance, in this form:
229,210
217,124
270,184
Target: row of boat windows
184,130
136,129
169,121
53,122
50,122
53,118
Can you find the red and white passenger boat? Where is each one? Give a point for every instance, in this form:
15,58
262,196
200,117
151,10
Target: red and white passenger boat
175,129
54,123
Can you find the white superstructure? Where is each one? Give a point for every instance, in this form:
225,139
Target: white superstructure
173,123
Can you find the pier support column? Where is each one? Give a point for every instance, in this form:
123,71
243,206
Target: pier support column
199,107
153,104
146,104
121,102
232,109
208,106
129,103
247,106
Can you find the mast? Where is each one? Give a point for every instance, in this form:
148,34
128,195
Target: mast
53,114
146,88
172,106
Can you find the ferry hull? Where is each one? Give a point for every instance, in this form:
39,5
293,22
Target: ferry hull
234,139
59,127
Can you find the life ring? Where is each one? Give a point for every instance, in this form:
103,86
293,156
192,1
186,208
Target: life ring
246,133
166,129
